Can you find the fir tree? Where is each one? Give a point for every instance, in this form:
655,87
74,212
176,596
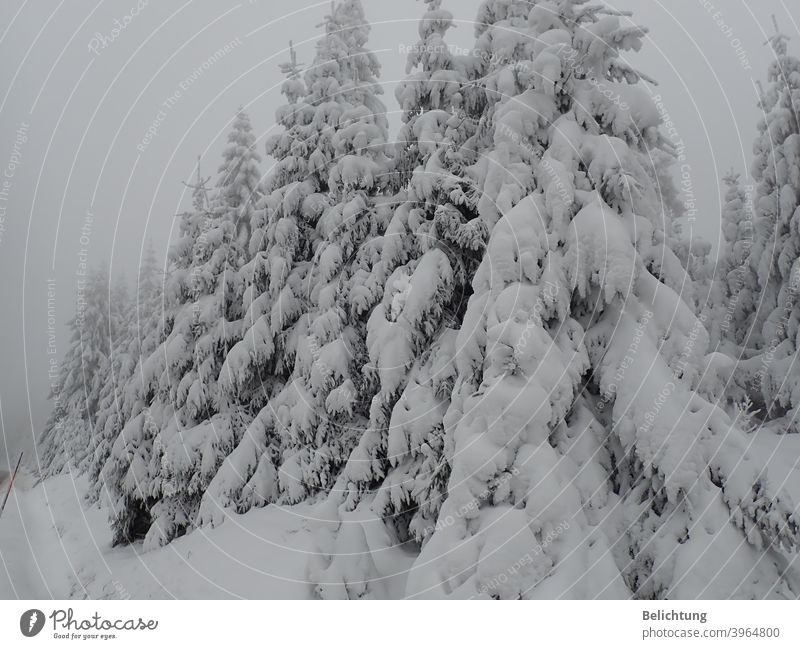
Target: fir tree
129,473
204,425
332,113
776,246
419,288
735,288
116,371
328,397
584,464
134,337
415,294
66,439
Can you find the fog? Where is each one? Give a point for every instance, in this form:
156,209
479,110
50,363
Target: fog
104,109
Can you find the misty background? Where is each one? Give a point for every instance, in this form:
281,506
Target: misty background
100,126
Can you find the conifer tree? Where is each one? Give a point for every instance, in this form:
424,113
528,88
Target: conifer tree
732,303
116,370
776,246
129,473
419,288
135,330
415,294
327,396
332,112
204,425
66,439
584,464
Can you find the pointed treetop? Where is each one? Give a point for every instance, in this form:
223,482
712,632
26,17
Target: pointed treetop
199,190
732,177
240,152
332,21
147,277
292,68
347,23
779,41
342,58
293,88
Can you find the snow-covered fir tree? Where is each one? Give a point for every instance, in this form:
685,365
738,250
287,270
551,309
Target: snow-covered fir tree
732,302
202,426
584,464
282,245
330,160
410,284
116,370
253,368
66,440
321,408
419,286
774,255
135,327
128,474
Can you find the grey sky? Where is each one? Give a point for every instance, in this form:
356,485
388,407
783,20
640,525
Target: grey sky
85,98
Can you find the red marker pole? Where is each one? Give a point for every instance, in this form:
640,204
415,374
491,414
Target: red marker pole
10,484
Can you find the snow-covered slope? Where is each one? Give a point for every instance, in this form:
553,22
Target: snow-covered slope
53,546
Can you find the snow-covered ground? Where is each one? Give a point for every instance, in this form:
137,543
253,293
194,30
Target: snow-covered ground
22,570
52,546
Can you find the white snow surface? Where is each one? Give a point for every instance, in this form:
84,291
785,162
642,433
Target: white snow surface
53,546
